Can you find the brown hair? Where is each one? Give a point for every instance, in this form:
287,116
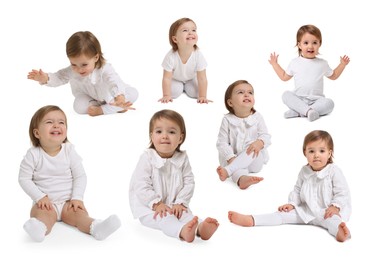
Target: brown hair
317,135
85,43
36,120
311,29
172,116
173,31
228,94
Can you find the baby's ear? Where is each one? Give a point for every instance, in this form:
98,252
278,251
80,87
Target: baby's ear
36,133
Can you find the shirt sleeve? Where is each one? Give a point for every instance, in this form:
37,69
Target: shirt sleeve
341,192
223,144
168,62
263,132
78,174
113,80
186,192
294,197
143,184
59,78
201,61
25,178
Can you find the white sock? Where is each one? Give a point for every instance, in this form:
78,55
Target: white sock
312,115
35,229
102,229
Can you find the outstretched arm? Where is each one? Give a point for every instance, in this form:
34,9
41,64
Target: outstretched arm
39,76
338,71
166,85
277,68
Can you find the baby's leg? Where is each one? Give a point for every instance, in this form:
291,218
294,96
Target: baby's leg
40,223
77,218
240,219
323,106
295,103
246,181
102,229
191,88
343,233
189,230
222,172
207,228
177,88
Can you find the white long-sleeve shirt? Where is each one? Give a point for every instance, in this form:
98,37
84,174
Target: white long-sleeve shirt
159,179
236,134
314,192
102,84
61,177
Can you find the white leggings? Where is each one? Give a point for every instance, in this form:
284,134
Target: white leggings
302,105
82,102
243,164
279,218
170,225
189,87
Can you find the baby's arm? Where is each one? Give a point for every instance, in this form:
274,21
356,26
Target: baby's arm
277,68
203,87
38,75
166,85
338,71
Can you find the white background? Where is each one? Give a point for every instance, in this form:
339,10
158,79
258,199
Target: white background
236,38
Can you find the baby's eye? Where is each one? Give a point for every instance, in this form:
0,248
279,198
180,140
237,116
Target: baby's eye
305,43
251,93
240,92
315,43
322,151
194,30
172,132
62,122
158,131
84,65
185,30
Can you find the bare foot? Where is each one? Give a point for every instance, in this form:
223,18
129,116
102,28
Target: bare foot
207,228
240,219
343,233
246,181
223,174
188,231
94,111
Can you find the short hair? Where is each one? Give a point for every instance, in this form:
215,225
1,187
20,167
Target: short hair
311,29
229,91
172,116
36,120
85,43
317,135
173,31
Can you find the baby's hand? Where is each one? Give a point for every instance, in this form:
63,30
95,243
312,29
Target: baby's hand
178,210
273,58
330,211
161,209
203,100
286,207
255,148
165,99
76,204
120,101
345,60
38,75
44,203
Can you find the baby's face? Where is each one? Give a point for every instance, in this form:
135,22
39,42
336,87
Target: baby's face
83,65
317,154
186,34
309,46
166,136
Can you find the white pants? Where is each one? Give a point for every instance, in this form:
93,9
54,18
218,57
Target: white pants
302,105
170,225
279,218
189,87
82,102
244,164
